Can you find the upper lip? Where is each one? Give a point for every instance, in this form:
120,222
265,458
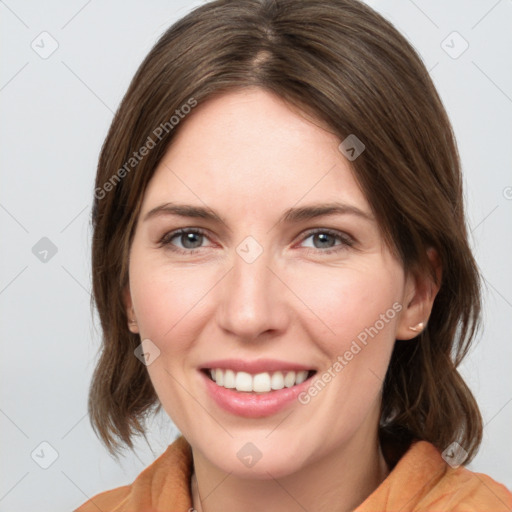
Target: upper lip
254,367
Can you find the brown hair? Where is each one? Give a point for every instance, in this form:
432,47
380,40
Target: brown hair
347,66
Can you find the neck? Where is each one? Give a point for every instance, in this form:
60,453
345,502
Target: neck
339,482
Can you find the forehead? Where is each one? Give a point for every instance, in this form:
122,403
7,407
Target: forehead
249,150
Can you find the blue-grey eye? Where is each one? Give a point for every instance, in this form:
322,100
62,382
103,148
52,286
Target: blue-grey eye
190,240
322,240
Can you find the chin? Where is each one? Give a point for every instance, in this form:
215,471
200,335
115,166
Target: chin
261,459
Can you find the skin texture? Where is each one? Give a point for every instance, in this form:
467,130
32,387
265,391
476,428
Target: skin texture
249,156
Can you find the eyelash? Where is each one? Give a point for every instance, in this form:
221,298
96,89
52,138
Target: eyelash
346,240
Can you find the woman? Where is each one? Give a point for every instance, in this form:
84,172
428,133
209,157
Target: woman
280,261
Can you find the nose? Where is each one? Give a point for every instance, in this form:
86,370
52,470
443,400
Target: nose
253,300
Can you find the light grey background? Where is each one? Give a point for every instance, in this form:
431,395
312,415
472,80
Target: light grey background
55,113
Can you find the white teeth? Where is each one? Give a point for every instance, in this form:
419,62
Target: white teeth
277,381
289,379
259,383
301,377
229,379
243,381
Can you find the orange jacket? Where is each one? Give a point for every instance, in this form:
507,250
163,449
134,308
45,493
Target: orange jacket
421,481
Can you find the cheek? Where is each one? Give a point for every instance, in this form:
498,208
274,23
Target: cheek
358,303
166,300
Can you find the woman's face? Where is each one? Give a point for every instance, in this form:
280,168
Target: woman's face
280,267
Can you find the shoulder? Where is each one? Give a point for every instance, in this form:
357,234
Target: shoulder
462,489
108,500
163,484
422,481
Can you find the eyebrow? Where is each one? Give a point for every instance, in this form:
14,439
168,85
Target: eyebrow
321,210
183,210
292,215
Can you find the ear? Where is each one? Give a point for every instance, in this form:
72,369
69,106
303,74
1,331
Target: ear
130,312
420,292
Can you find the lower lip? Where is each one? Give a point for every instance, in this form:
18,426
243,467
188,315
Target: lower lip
253,405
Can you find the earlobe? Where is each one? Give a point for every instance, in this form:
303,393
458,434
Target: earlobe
132,323
130,312
420,292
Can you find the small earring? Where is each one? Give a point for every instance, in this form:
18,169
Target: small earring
418,327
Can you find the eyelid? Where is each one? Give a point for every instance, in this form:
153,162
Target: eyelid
346,239
165,240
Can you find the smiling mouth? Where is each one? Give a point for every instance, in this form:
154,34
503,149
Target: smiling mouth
264,382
